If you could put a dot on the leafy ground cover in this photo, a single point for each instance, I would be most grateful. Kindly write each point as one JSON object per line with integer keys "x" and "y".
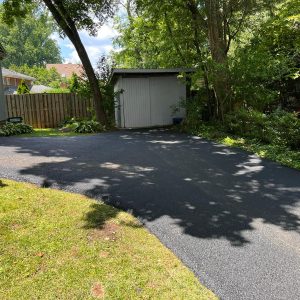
{"x": 58, "y": 245}
{"x": 279, "y": 153}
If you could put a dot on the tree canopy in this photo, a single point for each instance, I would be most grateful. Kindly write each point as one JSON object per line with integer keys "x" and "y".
{"x": 71, "y": 16}
{"x": 236, "y": 46}
{"x": 29, "y": 40}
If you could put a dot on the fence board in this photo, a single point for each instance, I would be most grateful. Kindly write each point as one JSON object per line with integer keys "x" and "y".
{"x": 47, "y": 110}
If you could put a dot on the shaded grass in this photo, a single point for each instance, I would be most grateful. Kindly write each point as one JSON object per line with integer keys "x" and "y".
{"x": 280, "y": 154}
{"x": 49, "y": 132}
{"x": 58, "y": 245}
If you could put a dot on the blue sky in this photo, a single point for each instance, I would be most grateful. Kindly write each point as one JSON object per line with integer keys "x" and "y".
{"x": 95, "y": 46}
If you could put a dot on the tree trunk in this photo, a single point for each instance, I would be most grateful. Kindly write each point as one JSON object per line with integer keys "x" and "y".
{"x": 62, "y": 18}
{"x": 93, "y": 80}
{"x": 198, "y": 22}
{"x": 218, "y": 49}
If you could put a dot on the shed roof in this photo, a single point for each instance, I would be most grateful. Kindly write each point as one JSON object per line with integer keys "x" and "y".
{"x": 118, "y": 72}
{"x": 151, "y": 71}
{"x": 14, "y": 74}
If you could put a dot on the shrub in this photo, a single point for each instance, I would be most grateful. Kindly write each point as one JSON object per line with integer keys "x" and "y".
{"x": 23, "y": 88}
{"x": 88, "y": 126}
{"x": 82, "y": 126}
{"x": 247, "y": 123}
{"x": 15, "y": 129}
{"x": 278, "y": 128}
{"x": 284, "y": 129}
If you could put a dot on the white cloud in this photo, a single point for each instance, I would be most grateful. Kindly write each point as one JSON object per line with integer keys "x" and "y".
{"x": 95, "y": 46}
{"x": 94, "y": 53}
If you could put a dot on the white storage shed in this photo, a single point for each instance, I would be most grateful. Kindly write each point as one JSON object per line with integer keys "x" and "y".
{"x": 147, "y": 97}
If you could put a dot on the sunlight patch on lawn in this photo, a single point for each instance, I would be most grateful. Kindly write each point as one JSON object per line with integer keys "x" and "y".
{"x": 58, "y": 245}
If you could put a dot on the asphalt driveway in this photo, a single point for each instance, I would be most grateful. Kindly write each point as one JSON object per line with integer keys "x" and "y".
{"x": 232, "y": 217}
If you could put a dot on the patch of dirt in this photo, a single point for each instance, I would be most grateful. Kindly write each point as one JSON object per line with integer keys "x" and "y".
{"x": 97, "y": 291}
{"x": 74, "y": 252}
{"x": 16, "y": 226}
{"x": 108, "y": 232}
{"x": 104, "y": 254}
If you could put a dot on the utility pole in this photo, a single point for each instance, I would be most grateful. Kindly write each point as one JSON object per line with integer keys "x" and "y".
{"x": 3, "y": 109}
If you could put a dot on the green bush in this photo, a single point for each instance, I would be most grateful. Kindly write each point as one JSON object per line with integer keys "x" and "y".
{"x": 15, "y": 129}
{"x": 278, "y": 128}
{"x": 82, "y": 126}
{"x": 23, "y": 88}
{"x": 284, "y": 129}
{"x": 88, "y": 126}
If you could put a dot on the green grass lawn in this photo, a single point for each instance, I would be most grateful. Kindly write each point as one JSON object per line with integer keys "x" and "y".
{"x": 49, "y": 132}
{"x": 58, "y": 245}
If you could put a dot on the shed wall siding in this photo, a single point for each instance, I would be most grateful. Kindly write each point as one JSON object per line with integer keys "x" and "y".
{"x": 136, "y": 102}
{"x": 165, "y": 93}
{"x": 148, "y": 101}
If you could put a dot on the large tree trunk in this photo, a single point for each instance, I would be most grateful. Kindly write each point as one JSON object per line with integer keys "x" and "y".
{"x": 62, "y": 18}
{"x": 93, "y": 80}
{"x": 218, "y": 48}
{"x": 197, "y": 23}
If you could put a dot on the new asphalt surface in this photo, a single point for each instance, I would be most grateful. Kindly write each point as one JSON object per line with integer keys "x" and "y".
{"x": 230, "y": 216}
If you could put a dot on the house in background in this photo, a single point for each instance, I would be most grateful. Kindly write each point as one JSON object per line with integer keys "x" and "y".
{"x": 66, "y": 70}
{"x": 12, "y": 79}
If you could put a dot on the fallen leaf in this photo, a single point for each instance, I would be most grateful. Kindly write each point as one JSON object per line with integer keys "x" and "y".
{"x": 40, "y": 254}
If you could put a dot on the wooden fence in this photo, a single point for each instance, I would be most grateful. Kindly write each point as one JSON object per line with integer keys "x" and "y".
{"x": 47, "y": 110}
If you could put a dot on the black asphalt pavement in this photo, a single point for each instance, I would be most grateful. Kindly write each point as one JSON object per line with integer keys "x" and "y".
{"x": 230, "y": 216}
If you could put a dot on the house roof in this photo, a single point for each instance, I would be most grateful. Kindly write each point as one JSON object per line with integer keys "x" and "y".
{"x": 14, "y": 74}
{"x": 66, "y": 70}
{"x": 40, "y": 88}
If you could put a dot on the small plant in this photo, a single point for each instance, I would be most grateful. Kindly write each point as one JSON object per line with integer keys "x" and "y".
{"x": 89, "y": 126}
{"x": 82, "y": 126}
{"x": 74, "y": 84}
{"x": 23, "y": 88}
{"x": 15, "y": 129}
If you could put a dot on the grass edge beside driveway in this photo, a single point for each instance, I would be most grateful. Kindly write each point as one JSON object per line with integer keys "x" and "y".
{"x": 51, "y": 132}
{"x": 56, "y": 244}
{"x": 280, "y": 154}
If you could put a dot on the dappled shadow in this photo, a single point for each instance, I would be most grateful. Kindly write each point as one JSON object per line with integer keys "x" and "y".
{"x": 99, "y": 215}
{"x": 208, "y": 190}
{"x": 2, "y": 184}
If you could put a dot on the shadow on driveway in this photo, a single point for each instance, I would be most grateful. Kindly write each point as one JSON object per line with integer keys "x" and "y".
{"x": 208, "y": 190}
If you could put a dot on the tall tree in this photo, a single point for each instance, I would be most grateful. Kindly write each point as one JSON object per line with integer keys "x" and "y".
{"x": 191, "y": 32}
{"x": 28, "y": 41}
{"x": 71, "y": 16}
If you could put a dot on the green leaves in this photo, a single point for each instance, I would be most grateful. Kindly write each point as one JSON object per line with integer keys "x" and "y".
{"x": 14, "y": 129}
{"x": 23, "y": 88}
{"x": 28, "y": 40}
{"x": 43, "y": 76}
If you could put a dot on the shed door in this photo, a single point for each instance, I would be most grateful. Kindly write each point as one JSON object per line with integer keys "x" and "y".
{"x": 136, "y": 102}
{"x": 165, "y": 93}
